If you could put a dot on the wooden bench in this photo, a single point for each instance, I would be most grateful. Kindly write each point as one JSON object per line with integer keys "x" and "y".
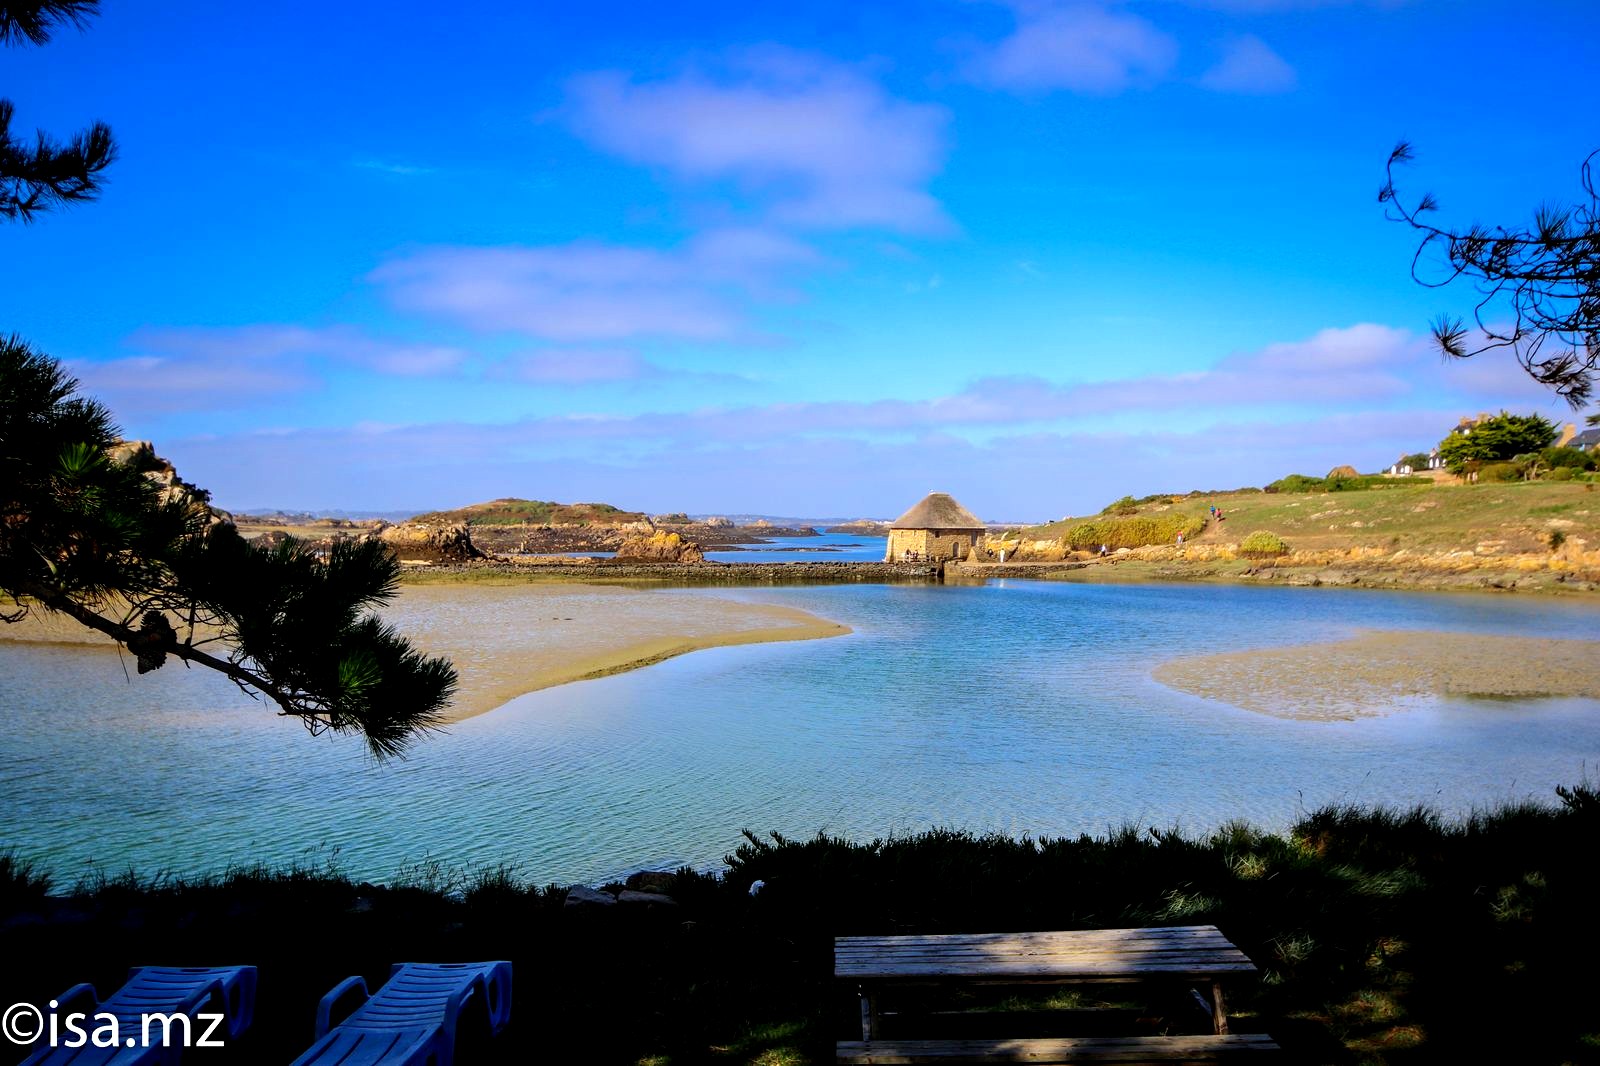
{"x": 1197, "y": 954}
{"x": 1120, "y": 1049}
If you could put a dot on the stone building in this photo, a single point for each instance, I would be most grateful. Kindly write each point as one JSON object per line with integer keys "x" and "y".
{"x": 935, "y": 530}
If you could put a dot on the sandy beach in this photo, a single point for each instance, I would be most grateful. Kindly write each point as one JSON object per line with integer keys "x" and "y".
{"x": 509, "y": 639}
{"x": 1371, "y": 674}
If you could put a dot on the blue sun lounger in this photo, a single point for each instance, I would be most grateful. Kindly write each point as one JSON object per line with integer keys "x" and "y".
{"x": 412, "y": 1019}
{"x": 150, "y": 990}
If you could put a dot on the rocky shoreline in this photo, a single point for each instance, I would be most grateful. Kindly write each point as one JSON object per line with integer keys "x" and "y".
{"x": 1570, "y": 570}
{"x": 733, "y": 574}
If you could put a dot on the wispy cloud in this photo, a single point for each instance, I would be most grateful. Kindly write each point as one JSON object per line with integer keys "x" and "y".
{"x": 1249, "y": 66}
{"x": 195, "y": 369}
{"x": 584, "y": 366}
{"x": 1360, "y": 394}
{"x": 815, "y": 142}
{"x": 1085, "y": 48}
{"x": 591, "y": 291}
{"x": 1263, "y": 7}
{"x": 1037, "y": 475}
{"x": 402, "y": 170}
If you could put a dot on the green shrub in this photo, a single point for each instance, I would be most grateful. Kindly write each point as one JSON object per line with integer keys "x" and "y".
{"x": 1567, "y": 457}
{"x": 1136, "y": 532}
{"x": 1298, "y": 483}
{"x": 1345, "y": 483}
{"x": 1557, "y": 539}
{"x": 1560, "y": 473}
{"x": 1499, "y": 472}
{"x": 1125, "y": 506}
{"x": 1263, "y": 545}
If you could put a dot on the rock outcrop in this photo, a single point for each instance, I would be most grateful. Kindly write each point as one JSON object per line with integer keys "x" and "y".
{"x": 420, "y": 542}
{"x": 141, "y": 455}
{"x": 660, "y": 547}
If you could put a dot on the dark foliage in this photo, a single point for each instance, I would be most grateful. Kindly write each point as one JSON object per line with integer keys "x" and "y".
{"x": 34, "y": 20}
{"x": 39, "y": 174}
{"x": 84, "y": 535}
{"x": 1538, "y": 286}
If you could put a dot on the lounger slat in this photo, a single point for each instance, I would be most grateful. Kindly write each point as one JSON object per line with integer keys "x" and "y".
{"x": 409, "y": 1017}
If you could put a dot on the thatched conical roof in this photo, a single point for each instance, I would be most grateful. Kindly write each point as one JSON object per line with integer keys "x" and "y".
{"x": 937, "y": 510}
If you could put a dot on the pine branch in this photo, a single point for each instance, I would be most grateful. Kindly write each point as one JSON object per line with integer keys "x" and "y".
{"x": 33, "y": 22}
{"x": 1544, "y": 279}
{"x": 47, "y": 175}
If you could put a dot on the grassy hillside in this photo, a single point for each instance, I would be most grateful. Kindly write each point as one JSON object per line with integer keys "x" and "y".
{"x": 1515, "y": 516}
{"x": 511, "y": 511}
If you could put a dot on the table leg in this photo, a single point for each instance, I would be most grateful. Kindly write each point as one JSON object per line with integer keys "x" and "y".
{"x": 869, "y": 1013}
{"x": 1219, "y": 1010}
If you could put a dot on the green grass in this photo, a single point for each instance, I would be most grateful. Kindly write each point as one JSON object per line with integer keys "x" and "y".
{"x": 1419, "y": 518}
{"x": 1162, "y": 527}
{"x": 1384, "y": 936}
{"x": 512, "y": 511}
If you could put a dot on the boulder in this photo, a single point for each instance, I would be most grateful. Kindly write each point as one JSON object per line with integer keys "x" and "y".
{"x": 660, "y": 547}
{"x": 650, "y": 900}
{"x": 426, "y": 543}
{"x": 580, "y": 896}
{"x": 651, "y": 881}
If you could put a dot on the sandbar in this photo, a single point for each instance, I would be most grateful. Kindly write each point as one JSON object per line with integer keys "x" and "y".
{"x": 509, "y": 639}
{"x": 1374, "y": 673}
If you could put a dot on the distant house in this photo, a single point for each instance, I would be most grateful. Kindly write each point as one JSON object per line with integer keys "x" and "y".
{"x": 1586, "y": 441}
{"x": 1404, "y": 466}
{"x": 936, "y": 529}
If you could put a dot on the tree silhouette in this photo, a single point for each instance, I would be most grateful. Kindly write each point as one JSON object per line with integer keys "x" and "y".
{"x": 43, "y": 174}
{"x": 148, "y": 562}
{"x": 1538, "y": 287}
{"x": 98, "y": 540}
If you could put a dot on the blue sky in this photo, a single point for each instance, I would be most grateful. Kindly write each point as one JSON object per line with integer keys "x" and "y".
{"x": 797, "y": 259}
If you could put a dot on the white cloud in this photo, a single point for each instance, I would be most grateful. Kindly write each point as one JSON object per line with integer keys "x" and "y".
{"x": 1081, "y": 48}
{"x": 586, "y": 366}
{"x": 1250, "y": 66}
{"x": 593, "y": 291}
{"x": 817, "y": 142}
{"x": 196, "y": 369}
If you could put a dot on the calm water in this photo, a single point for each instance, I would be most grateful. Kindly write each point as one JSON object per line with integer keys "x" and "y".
{"x": 1019, "y": 706}
{"x": 827, "y": 548}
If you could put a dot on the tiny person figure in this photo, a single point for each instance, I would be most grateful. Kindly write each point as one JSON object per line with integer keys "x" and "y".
{"x": 1180, "y": 538}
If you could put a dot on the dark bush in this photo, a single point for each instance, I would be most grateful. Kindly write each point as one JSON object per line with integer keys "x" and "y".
{"x": 1556, "y": 458}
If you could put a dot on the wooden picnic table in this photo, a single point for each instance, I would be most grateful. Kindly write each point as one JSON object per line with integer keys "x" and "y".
{"x": 1197, "y": 953}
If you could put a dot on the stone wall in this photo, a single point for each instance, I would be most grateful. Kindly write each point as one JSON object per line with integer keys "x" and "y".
{"x": 930, "y": 545}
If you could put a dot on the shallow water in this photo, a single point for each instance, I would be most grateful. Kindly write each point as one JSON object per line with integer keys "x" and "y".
{"x": 1023, "y": 707}
{"x": 826, "y": 548}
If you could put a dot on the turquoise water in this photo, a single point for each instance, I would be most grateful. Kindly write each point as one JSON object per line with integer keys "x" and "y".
{"x": 1023, "y": 707}
{"x": 827, "y": 548}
